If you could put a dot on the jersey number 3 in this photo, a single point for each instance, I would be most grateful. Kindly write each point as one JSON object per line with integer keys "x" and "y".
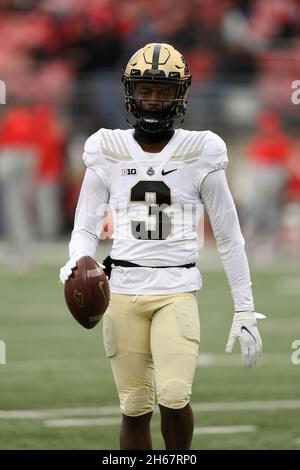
{"x": 157, "y": 196}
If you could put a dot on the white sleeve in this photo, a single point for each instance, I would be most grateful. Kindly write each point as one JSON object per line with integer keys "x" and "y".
{"x": 219, "y": 204}
{"x": 89, "y": 216}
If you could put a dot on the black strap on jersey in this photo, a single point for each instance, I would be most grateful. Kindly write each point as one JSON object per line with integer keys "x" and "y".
{"x": 127, "y": 264}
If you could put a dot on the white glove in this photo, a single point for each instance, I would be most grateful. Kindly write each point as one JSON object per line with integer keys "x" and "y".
{"x": 244, "y": 328}
{"x": 66, "y": 271}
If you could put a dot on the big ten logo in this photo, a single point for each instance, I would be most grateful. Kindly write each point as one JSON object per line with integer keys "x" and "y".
{"x": 295, "y": 357}
{"x": 2, "y": 92}
{"x": 295, "y": 98}
{"x": 2, "y": 352}
{"x": 128, "y": 171}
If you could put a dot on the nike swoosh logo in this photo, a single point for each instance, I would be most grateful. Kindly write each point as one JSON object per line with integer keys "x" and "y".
{"x": 164, "y": 173}
{"x": 244, "y": 328}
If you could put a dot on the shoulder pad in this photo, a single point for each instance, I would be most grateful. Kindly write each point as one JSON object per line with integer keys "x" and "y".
{"x": 92, "y": 151}
{"x": 205, "y": 148}
{"x": 215, "y": 151}
{"x": 106, "y": 147}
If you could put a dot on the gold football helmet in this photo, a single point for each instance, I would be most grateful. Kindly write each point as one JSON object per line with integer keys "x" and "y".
{"x": 159, "y": 63}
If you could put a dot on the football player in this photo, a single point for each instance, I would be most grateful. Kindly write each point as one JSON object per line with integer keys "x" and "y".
{"x": 148, "y": 174}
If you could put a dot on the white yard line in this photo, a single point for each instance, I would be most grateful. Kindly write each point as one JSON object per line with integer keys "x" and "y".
{"x": 235, "y": 360}
{"x": 83, "y": 422}
{"x": 66, "y": 423}
{"x": 109, "y": 411}
{"x": 224, "y": 429}
{"x": 205, "y": 359}
{"x": 56, "y": 365}
{"x": 270, "y": 405}
{"x": 59, "y": 412}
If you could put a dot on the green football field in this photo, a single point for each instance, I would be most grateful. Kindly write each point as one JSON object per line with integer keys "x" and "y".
{"x": 57, "y": 392}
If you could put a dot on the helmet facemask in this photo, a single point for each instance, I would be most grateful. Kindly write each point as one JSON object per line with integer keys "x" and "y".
{"x": 168, "y": 110}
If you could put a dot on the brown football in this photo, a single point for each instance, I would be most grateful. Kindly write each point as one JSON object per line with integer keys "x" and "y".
{"x": 87, "y": 292}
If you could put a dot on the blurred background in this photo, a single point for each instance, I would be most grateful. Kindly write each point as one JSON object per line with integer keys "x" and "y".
{"x": 61, "y": 61}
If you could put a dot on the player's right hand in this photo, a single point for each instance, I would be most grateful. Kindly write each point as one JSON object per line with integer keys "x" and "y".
{"x": 66, "y": 271}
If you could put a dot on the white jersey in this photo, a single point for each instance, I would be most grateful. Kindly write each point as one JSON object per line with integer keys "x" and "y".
{"x": 153, "y": 199}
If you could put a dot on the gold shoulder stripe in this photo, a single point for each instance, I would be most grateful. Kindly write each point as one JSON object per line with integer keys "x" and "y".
{"x": 113, "y": 147}
{"x": 190, "y": 148}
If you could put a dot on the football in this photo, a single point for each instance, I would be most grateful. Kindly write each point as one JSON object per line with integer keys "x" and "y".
{"x": 87, "y": 292}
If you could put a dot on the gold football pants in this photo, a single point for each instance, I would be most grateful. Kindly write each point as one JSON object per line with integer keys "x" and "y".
{"x": 152, "y": 342}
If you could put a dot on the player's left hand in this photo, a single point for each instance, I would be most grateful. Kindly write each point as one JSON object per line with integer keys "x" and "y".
{"x": 244, "y": 328}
